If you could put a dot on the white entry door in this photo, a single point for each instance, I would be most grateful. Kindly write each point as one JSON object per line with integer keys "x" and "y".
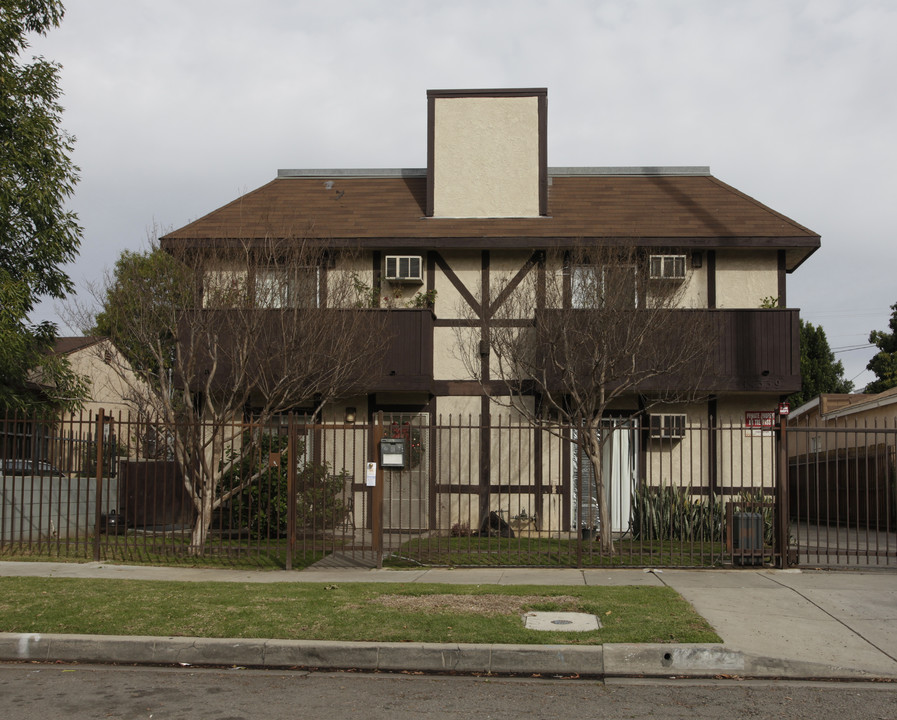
{"x": 620, "y": 460}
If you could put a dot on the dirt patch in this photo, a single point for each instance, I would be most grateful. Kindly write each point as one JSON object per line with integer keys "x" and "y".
{"x": 480, "y": 604}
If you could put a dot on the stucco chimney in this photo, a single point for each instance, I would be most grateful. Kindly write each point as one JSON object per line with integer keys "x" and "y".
{"x": 487, "y": 153}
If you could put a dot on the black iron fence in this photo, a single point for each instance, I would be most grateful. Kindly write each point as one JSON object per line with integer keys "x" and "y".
{"x": 291, "y": 493}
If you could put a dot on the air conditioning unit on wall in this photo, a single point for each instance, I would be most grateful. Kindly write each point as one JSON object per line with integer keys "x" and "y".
{"x": 404, "y": 268}
{"x": 667, "y": 267}
{"x": 667, "y": 426}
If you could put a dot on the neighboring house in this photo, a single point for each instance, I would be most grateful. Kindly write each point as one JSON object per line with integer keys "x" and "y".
{"x": 109, "y": 383}
{"x": 111, "y": 387}
{"x": 816, "y": 420}
{"x": 472, "y": 224}
{"x": 842, "y": 454}
{"x": 110, "y": 379}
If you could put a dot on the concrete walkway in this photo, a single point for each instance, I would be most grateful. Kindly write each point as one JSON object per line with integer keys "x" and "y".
{"x": 788, "y": 624}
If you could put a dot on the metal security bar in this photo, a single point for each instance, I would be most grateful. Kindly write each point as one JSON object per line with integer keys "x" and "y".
{"x": 491, "y": 491}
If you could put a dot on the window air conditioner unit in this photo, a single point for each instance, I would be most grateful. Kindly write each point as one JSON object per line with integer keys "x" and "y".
{"x": 667, "y": 426}
{"x": 404, "y": 268}
{"x": 667, "y": 267}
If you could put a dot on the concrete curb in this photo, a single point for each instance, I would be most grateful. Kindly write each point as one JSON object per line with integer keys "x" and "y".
{"x": 658, "y": 660}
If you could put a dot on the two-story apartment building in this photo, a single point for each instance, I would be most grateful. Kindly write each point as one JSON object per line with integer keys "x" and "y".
{"x": 472, "y": 227}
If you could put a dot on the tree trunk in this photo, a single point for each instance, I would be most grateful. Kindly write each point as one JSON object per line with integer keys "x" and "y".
{"x": 202, "y": 523}
{"x": 594, "y": 447}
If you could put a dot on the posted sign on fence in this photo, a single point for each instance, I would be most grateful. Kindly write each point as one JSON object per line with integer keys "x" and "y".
{"x": 759, "y": 423}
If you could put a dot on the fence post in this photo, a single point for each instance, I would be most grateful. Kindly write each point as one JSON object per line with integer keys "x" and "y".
{"x": 377, "y": 493}
{"x": 782, "y": 511}
{"x": 291, "y": 492}
{"x": 98, "y": 519}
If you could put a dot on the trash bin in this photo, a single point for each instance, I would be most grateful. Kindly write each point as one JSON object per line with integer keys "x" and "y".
{"x": 747, "y": 538}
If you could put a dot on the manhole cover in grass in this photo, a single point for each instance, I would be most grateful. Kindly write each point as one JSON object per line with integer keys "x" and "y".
{"x": 563, "y": 621}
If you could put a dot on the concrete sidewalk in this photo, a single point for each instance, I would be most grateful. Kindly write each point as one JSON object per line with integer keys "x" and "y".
{"x": 788, "y": 624}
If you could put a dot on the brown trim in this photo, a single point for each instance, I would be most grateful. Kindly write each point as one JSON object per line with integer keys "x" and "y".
{"x": 488, "y": 92}
{"x": 567, "y": 284}
{"x": 431, "y": 462}
{"x": 431, "y": 152}
{"x": 712, "y": 443}
{"x": 539, "y": 489}
{"x": 378, "y": 272}
{"x": 783, "y": 269}
{"x": 485, "y": 474}
{"x": 516, "y": 242}
{"x": 467, "y": 388}
{"x": 726, "y": 490}
{"x": 711, "y": 279}
{"x": 486, "y": 295}
{"x": 543, "y": 153}
{"x": 465, "y": 322}
{"x": 458, "y": 285}
{"x": 540, "y": 283}
{"x": 449, "y": 489}
{"x": 485, "y": 415}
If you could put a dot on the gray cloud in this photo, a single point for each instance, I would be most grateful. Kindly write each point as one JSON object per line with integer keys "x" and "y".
{"x": 181, "y": 106}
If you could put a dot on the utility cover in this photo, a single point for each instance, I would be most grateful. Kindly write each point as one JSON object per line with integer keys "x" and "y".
{"x": 561, "y": 621}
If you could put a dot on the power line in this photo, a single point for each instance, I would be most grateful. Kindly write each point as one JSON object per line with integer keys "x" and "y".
{"x": 851, "y": 348}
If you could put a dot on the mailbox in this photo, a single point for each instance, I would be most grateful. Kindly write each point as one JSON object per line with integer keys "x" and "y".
{"x": 392, "y": 453}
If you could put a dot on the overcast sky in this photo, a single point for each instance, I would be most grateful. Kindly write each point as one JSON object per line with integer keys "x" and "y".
{"x": 180, "y": 106}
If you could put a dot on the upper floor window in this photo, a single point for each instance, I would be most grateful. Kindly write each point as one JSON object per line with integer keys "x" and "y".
{"x": 288, "y": 287}
{"x": 268, "y": 287}
{"x": 604, "y": 286}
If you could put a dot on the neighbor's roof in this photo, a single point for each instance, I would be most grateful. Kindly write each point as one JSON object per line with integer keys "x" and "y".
{"x": 680, "y": 207}
{"x": 870, "y": 402}
{"x": 66, "y": 345}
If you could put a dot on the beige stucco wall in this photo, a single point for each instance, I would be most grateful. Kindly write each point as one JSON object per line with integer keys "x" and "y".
{"x": 486, "y": 157}
{"x": 112, "y": 382}
{"x": 745, "y": 278}
{"x": 467, "y": 266}
{"x": 681, "y": 463}
{"x": 746, "y": 457}
{"x": 694, "y": 289}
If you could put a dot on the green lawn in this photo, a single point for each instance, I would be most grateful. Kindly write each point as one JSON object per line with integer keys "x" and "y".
{"x": 554, "y": 552}
{"x": 432, "y": 551}
{"x": 397, "y": 612}
{"x": 265, "y": 555}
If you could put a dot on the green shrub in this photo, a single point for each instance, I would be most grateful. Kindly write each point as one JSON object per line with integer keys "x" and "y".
{"x": 671, "y": 513}
{"x": 263, "y": 507}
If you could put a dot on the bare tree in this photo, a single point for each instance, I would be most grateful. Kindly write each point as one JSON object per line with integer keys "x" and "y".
{"x": 211, "y": 335}
{"x": 591, "y": 326}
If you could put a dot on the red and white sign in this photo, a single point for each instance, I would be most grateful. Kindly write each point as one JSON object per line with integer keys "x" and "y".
{"x": 759, "y": 423}
{"x": 784, "y": 408}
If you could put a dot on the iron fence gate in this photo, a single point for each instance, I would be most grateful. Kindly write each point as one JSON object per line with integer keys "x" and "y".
{"x": 291, "y": 493}
{"x": 843, "y": 495}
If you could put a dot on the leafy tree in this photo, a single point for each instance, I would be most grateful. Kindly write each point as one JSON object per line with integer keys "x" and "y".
{"x": 884, "y": 363}
{"x": 819, "y": 371}
{"x": 139, "y": 276}
{"x": 215, "y": 334}
{"x": 38, "y": 235}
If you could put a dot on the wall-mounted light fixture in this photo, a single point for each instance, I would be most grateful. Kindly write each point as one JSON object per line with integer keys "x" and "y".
{"x": 350, "y": 414}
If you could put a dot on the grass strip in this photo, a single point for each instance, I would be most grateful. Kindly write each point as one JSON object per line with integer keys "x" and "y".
{"x": 553, "y": 552}
{"x": 377, "y": 612}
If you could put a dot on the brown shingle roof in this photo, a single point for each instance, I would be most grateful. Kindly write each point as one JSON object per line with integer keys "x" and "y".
{"x": 662, "y": 209}
{"x": 66, "y": 345}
